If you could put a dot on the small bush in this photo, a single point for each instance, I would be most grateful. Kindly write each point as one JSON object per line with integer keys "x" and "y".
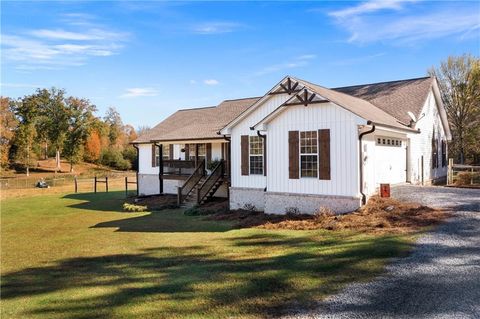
{"x": 249, "y": 207}
{"x": 134, "y": 208}
{"x": 292, "y": 211}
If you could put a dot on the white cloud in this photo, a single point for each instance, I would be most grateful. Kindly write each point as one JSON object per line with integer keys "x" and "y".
{"x": 299, "y": 61}
{"x": 368, "y": 7}
{"x": 138, "y": 92}
{"x": 216, "y": 27}
{"x": 408, "y": 26}
{"x": 211, "y": 82}
{"x": 58, "y": 48}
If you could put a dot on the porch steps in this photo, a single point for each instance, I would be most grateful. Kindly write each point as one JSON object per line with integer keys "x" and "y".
{"x": 191, "y": 199}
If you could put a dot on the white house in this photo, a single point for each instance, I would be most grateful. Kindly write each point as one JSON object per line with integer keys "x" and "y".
{"x": 300, "y": 146}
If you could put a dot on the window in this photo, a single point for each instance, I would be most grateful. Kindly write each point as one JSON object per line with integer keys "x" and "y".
{"x": 308, "y": 154}
{"x": 202, "y": 151}
{"x": 256, "y": 155}
{"x": 388, "y": 142}
{"x": 157, "y": 156}
{"x": 166, "y": 151}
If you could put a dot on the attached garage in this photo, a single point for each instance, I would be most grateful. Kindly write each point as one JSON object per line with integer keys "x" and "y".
{"x": 390, "y": 160}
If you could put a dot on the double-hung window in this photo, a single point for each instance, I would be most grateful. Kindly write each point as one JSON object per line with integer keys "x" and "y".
{"x": 256, "y": 155}
{"x": 308, "y": 154}
{"x": 202, "y": 151}
{"x": 166, "y": 151}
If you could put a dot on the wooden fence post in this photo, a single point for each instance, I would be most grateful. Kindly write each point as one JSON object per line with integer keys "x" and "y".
{"x": 106, "y": 183}
{"x": 76, "y": 186}
{"x": 95, "y": 185}
{"x": 450, "y": 172}
{"x": 126, "y": 186}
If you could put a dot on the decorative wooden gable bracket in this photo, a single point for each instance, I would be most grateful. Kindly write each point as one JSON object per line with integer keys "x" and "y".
{"x": 289, "y": 87}
{"x": 305, "y": 97}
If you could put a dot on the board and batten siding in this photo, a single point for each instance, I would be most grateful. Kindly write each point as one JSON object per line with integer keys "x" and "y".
{"x": 343, "y": 126}
{"x": 145, "y": 160}
{"x": 421, "y": 144}
{"x": 243, "y": 128}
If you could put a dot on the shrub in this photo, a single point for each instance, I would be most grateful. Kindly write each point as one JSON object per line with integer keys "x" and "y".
{"x": 134, "y": 208}
{"x": 212, "y": 165}
{"x": 292, "y": 211}
{"x": 249, "y": 207}
{"x": 113, "y": 158}
{"x": 129, "y": 153}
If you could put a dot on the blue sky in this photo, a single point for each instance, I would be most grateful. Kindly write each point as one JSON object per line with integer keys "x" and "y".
{"x": 149, "y": 59}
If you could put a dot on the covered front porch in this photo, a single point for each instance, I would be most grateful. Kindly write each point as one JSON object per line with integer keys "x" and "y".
{"x": 178, "y": 160}
{"x": 194, "y": 170}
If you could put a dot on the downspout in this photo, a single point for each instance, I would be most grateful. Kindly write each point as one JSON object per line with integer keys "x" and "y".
{"x": 360, "y": 152}
{"x": 263, "y": 136}
{"x": 138, "y": 163}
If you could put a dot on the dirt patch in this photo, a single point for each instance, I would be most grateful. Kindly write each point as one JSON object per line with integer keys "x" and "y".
{"x": 380, "y": 215}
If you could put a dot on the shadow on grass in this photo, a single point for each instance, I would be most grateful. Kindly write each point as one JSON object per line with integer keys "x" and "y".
{"x": 198, "y": 281}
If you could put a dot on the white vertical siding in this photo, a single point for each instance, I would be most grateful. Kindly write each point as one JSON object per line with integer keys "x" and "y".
{"x": 243, "y": 128}
{"x": 421, "y": 144}
{"x": 145, "y": 160}
{"x": 343, "y": 150}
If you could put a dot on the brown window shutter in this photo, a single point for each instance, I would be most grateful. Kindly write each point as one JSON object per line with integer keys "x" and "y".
{"x": 154, "y": 162}
{"x": 265, "y": 156}
{"x": 244, "y": 151}
{"x": 187, "y": 152}
{"x": 208, "y": 148}
{"x": 293, "y": 156}
{"x": 324, "y": 154}
{"x": 170, "y": 149}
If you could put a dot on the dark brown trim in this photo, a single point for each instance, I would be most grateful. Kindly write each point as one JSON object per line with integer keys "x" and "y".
{"x": 187, "y": 151}
{"x": 244, "y": 145}
{"x": 293, "y": 154}
{"x": 300, "y": 103}
{"x": 324, "y": 154}
{"x": 154, "y": 160}
{"x": 187, "y": 139}
{"x": 264, "y": 137}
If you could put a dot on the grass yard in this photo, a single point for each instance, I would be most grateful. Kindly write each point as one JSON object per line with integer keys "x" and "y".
{"x": 79, "y": 256}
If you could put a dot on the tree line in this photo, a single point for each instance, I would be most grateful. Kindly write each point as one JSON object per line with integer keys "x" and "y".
{"x": 48, "y": 123}
{"x": 459, "y": 81}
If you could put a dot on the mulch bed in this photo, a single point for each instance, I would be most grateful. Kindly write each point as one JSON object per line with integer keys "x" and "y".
{"x": 380, "y": 215}
{"x": 156, "y": 202}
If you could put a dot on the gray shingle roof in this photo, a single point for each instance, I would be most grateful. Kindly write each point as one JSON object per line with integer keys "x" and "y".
{"x": 199, "y": 123}
{"x": 394, "y": 97}
{"x": 386, "y": 103}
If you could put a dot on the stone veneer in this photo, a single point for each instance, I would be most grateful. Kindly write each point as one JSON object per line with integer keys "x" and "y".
{"x": 278, "y": 203}
{"x": 239, "y": 197}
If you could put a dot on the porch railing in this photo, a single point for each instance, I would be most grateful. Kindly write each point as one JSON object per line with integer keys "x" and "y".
{"x": 190, "y": 183}
{"x": 211, "y": 184}
{"x": 178, "y": 167}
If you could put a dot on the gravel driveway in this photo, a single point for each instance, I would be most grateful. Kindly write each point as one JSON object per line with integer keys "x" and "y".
{"x": 440, "y": 279}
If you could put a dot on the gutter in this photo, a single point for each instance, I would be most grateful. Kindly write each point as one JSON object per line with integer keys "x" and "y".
{"x": 360, "y": 152}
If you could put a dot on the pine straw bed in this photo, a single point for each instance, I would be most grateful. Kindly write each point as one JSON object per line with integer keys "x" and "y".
{"x": 380, "y": 215}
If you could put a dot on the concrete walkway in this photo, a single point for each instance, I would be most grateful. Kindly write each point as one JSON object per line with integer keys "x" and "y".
{"x": 440, "y": 279}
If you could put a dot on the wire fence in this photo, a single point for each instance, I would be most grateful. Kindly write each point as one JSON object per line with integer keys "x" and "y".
{"x": 75, "y": 184}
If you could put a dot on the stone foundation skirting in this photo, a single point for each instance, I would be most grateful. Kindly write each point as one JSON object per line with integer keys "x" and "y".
{"x": 148, "y": 184}
{"x": 248, "y": 198}
{"x": 280, "y": 203}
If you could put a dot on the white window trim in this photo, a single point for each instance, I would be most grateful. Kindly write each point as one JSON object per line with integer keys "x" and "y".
{"x": 256, "y": 155}
{"x": 307, "y": 154}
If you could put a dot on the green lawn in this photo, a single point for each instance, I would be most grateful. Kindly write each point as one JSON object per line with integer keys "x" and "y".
{"x": 79, "y": 256}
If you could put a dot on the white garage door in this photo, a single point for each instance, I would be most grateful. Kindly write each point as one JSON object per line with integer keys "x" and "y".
{"x": 390, "y": 160}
